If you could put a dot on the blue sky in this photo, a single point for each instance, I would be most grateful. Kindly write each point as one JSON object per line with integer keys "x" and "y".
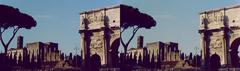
{"x": 58, "y": 20}
{"x": 177, "y": 20}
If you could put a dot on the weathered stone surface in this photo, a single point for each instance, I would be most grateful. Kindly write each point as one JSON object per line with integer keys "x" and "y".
{"x": 96, "y": 22}
{"x": 212, "y": 24}
{"x": 167, "y": 52}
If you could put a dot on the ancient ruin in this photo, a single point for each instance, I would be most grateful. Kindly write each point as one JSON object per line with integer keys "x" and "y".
{"x": 219, "y": 30}
{"x": 100, "y": 30}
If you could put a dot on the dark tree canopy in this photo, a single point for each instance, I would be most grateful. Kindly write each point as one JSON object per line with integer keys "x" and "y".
{"x": 12, "y": 18}
{"x": 131, "y": 17}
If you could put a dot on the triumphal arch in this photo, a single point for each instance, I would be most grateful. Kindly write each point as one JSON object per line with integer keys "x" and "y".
{"x": 100, "y": 32}
{"x": 220, "y": 35}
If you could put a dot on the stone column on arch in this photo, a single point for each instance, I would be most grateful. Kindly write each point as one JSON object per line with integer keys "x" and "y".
{"x": 206, "y": 44}
{"x": 226, "y": 51}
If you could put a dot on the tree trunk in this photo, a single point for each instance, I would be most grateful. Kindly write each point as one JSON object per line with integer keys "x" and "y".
{"x": 5, "y": 48}
{"x": 5, "y": 45}
{"x": 125, "y": 51}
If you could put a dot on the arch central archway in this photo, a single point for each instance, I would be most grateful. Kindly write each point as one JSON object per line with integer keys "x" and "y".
{"x": 114, "y": 51}
{"x": 215, "y": 62}
{"x": 95, "y": 62}
{"x": 234, "y": 52}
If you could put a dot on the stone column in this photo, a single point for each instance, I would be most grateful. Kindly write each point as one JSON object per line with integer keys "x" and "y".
{"x": 87, "y": 46}
{"x": 226, "y": 31}
{"x": 107, "y": 37}
{"x": 82, "y": 46}
{"x": 205, "y": 33}
{"x": 206, "y": 43}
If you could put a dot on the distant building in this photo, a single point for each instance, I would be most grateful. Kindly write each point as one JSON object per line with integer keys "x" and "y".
{"x": 156, "y": 49}
{"x": 45, "y": 52}
{"x": 172, "y": 52}
{"x": 48, "y": 52}
{"x": 137, "y": 52}
{"x": 167, "y": 52}
{"x": 17, "y": 53}
{"x": 140, "y": 42}
{"x": 20, "y": 42}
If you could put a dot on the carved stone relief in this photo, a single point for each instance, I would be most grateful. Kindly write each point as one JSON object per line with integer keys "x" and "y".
{"x": 97, "y": 43}
{"x": 95, "y": 17}
{"x": 216, "y": 43}
{"x": 215, "y": 17}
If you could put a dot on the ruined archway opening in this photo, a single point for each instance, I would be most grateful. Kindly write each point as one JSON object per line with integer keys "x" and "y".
{"x": 114, "y": 52}
{"x": 215, "y": 62}
{"x": 234, "y": 53}
{"x": 95, "y": 62}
